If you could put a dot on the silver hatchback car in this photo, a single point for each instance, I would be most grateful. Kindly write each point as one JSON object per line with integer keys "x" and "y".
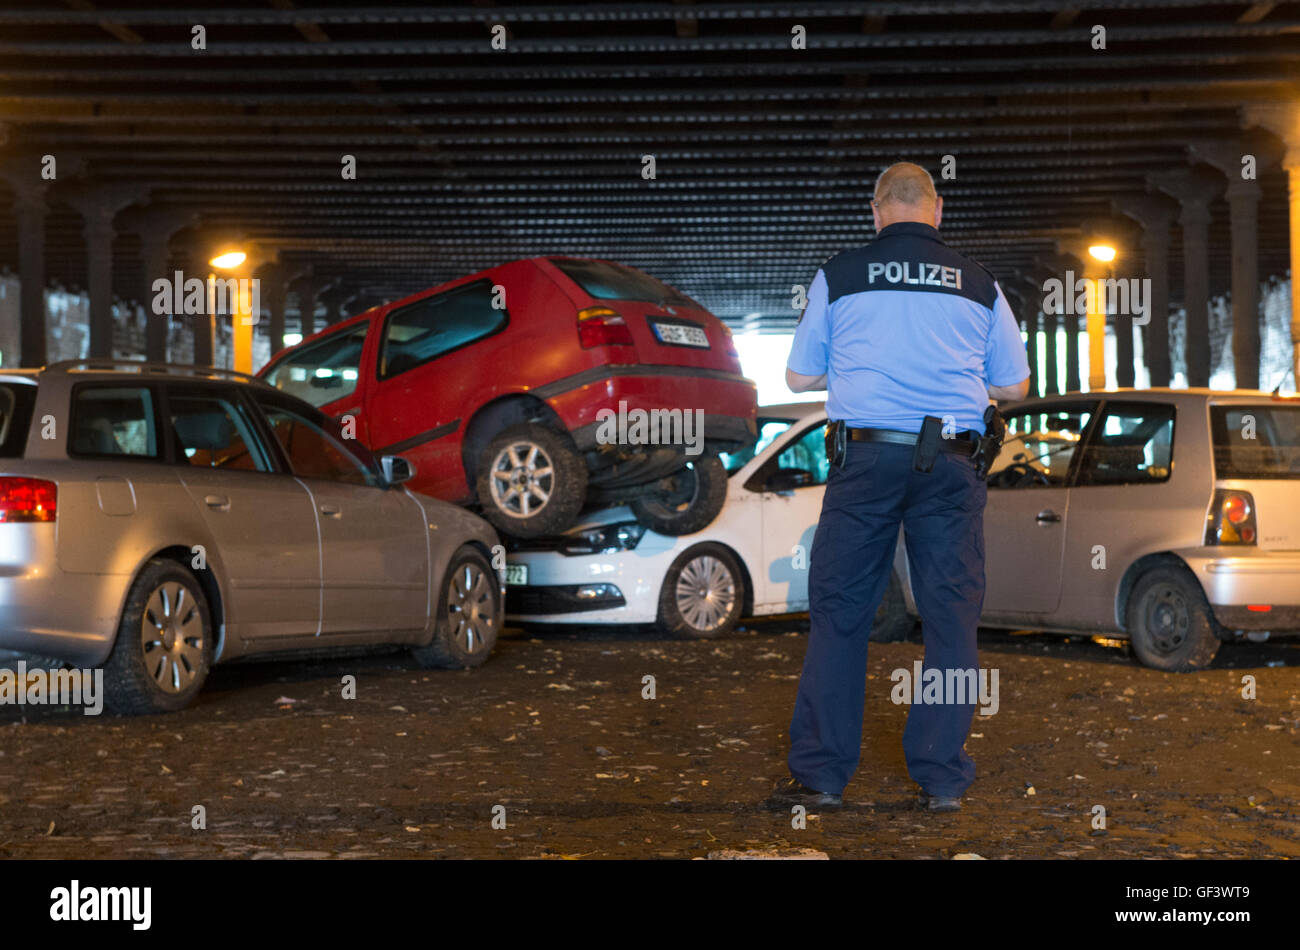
{"x": 1167, "y": 516}
{"x": 157, "y": 519}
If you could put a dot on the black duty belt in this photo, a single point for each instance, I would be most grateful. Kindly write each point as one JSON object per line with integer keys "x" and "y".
{"x": 963, "y": 443}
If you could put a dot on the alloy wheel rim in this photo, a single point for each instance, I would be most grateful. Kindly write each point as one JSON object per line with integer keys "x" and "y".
{"x": 523, "y": 479}
{"x": 706, "y": 592}
{"x": 172, "y": 637}
{"x": 471, "y": 609}
{"x": 1168, "y": 618}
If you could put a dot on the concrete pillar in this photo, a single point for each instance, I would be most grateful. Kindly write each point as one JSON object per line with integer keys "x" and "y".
{"x": 30, "y": 211}
{"x": 156, "y": 226}
{"x": 98, "y": 207}
{"x": 1051, "y": 324}
{"x": 1154, "y": 213}
{"x": 1194, "y": 188}
{"x": 276, "y": 280}
{"x": 1283, "y": 121}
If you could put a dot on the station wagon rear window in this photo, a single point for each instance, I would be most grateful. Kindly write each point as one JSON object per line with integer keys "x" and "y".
{"x": 611, "y": 282}
{"x": 114, "y": 421}
{"x": 16, "y": 401}
{"x": 1256, "y": 441}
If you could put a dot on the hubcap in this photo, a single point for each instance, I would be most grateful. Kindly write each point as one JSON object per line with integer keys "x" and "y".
{"x": 522, "y": 479}
{"x": 706, "y": 592}
{"x": 471, "y": 608}
{"x": 171, "y": 636}
{"x": 1168, "y": 618}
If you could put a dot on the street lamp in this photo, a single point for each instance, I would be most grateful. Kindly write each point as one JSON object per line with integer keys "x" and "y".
{"x": 1104, "y": 253}
{"x": 241, "y": 335}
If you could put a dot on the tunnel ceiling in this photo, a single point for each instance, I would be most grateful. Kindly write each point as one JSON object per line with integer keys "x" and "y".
{"x": 764, "y": 155}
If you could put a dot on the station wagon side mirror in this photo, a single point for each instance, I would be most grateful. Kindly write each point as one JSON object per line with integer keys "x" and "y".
{"x": 397, "y": 469}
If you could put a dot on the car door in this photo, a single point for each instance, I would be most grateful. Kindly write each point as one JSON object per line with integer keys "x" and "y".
{"x": 374, "y": 540}
{"x": 1028, "y": 507}
{"x": 425, "y": 387}
{"x": 791, "y": 484}
{"x": 1122, "y": 507}
{"x": 263, "y": 521}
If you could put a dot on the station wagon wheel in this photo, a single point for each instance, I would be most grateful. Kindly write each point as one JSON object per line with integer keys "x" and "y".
{"x": 1170, "y": 622}
{"x": 164, "y": 644}
{"x": 470, "y": 614}
{"x": 531, "y": 481}
{"x": 703, "y": 593}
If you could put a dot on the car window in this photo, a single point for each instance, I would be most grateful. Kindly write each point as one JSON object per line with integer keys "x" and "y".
{"x": 605, "y": 281}
{"x": 314, "y": 453}
{"x": 807, "y": 453}
{"x": 1256, "y": 441}
{"x": 114, "y": 421}
{"x": 768, "y": 431}
{"x": 429, "y": 328}
{"x": 16, "y": 401}
{"x": 214, "y": 432}
{"x": 1039, "y": 446}
{"x": 322, "y": 371}
{"x": 1134, "y": 444}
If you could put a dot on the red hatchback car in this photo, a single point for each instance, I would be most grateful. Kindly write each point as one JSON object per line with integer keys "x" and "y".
{"x": 539, "y": 387}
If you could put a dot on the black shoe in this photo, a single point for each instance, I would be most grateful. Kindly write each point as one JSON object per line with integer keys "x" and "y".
{"x": 791, "y": 791}
{"x": 937, "y": 803}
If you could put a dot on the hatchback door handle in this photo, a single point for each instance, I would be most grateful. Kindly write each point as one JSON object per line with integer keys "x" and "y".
{"x": 1048, "y": 516}
{"x": 332, "y": 510}
{"x": 219, "y": 502}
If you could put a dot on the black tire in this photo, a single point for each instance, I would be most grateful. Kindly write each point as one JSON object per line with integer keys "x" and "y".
{"x": 463, "y": 638}
{"x": 1170, "y": 622}
{"x": 166, "y": 676}
{"x": 891, "y": 623}
{"x": 562, "y": 491}
{"x": 716, "y": 569}
{"x": 686, "y": 501}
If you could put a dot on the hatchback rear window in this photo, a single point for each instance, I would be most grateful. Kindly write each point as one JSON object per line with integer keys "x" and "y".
{"x": 16, "y": 401}
{"x": 612, "y": 282}
{"x": 1260, "y": 441}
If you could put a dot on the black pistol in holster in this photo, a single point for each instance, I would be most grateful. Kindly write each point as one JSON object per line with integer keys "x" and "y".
{"x": 837, "y": 442}
{"x": 990, "y": 444}
{"x": 927, "y": 444}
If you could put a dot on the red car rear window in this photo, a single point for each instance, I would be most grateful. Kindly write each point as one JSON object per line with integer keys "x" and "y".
{"x": 611, "y": 282}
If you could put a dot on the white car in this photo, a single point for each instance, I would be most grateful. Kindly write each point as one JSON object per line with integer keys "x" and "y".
{"x": 752, "y": 560}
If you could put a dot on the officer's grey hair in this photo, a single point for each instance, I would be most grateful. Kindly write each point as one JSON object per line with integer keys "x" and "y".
{"x": 906, "y": 183}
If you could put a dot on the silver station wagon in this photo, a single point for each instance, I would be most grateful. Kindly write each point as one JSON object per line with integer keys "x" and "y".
{"x": 1167, "y": 516}
{"x": 157, "y": 519}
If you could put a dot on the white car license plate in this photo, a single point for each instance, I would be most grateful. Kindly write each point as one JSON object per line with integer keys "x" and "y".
{"x": 517, "y": 574}
{"x": 681, "y": 334}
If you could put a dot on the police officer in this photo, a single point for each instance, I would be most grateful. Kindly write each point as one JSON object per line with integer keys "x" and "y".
{"x": 910, "y": 340}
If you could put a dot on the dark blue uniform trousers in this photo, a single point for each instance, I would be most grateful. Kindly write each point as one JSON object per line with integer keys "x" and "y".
{"x": 942, "y": 513}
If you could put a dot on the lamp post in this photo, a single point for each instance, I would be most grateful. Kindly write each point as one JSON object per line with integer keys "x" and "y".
{"x": 241, "y": 316}
{"x": 1105, "y": 254}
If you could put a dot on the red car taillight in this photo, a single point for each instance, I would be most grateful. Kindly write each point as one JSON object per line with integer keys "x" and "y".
{"x": 601, "y": 326}
{"x": 27, "y": 499}
{"x": 1232, "y": 519}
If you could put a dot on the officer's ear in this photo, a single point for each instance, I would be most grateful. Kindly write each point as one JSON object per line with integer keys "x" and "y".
{"x": 938, "y": 211}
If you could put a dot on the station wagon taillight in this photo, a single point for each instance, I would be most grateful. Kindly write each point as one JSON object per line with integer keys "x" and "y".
{"x": 601, "y": 326}
{"x": 27, "y": 499}
{"x": 1232, "y": 519}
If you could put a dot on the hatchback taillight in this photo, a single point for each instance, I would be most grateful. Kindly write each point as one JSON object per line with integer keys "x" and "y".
{"x": 601, "y": 326}
{"x": 1232, "y": 519}
{"x": 27, "y": 499}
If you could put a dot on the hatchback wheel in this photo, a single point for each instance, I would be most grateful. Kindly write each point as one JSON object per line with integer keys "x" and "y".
{"x": 686, "y": 501}
{"x": 469, "y": 614}
{"x": 531, "y": 481}
{"x": 164, "y": 643}
{"x": 1170, "y": 622}
{"x": 703, "y": 594}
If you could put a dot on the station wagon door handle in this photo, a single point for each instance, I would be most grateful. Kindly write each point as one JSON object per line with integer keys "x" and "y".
{"x": 332, "y": 511}
{"x": 219, "y": 502}
{"x": 1048, "y": 516}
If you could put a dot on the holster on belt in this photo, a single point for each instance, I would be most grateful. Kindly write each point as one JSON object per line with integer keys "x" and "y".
{"x": 837, "y": 442}
{"x": 927, "y": 444}
{"x": 988, "y": 448}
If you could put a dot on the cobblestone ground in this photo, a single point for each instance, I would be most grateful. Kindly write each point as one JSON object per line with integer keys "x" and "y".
{"x": 556, "y": 730}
